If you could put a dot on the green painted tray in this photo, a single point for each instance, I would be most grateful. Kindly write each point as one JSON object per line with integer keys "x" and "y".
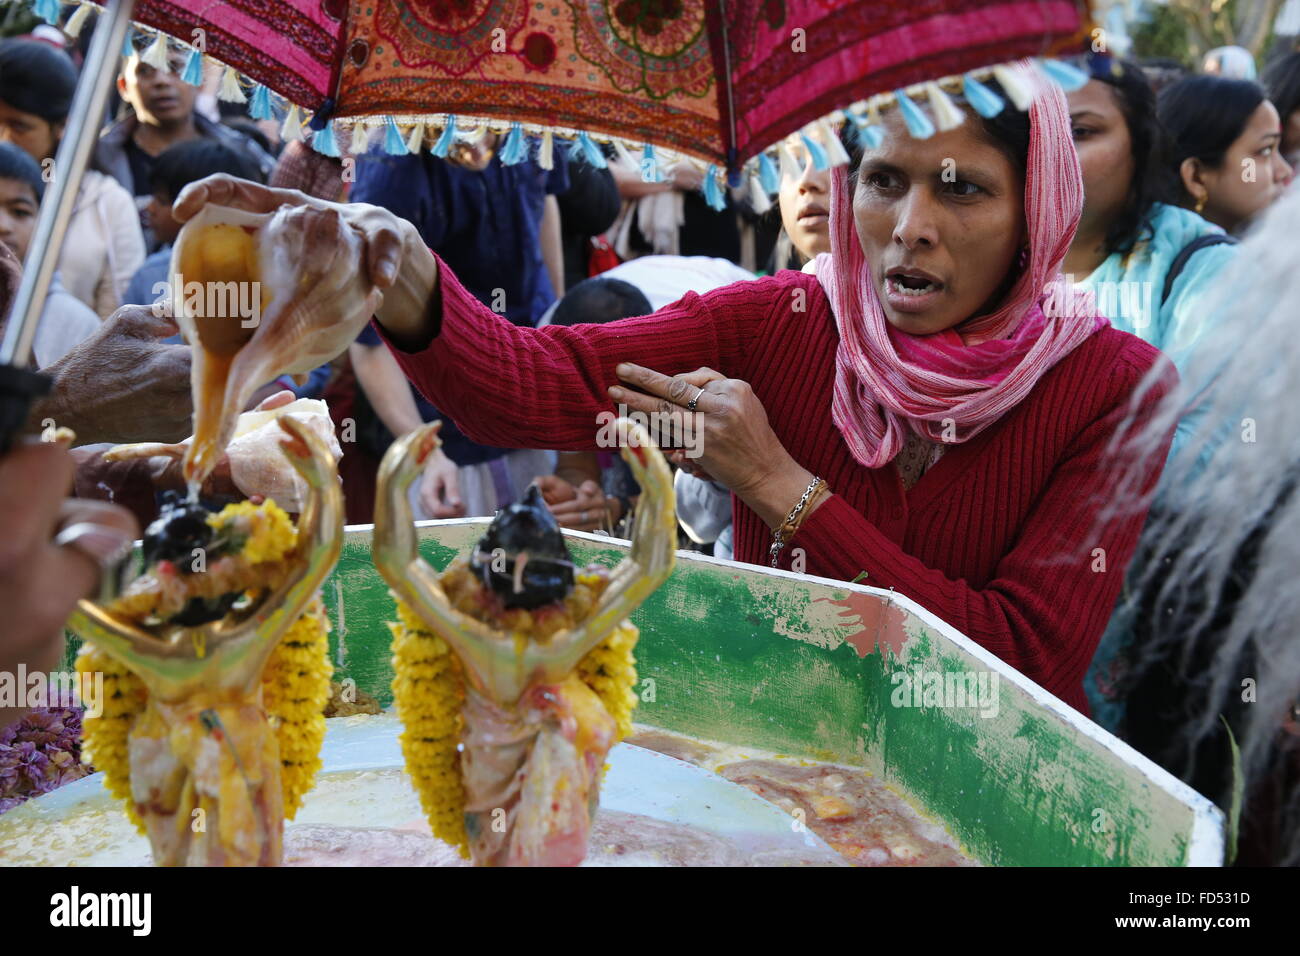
{"x": 851, "y": 674}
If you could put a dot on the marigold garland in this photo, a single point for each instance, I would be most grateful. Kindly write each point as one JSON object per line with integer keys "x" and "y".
{"x": 270, "y": 532}
{"x": 295, "y": 689}
{"x": 104, "y": 738}
{"x": 429, "y": 694}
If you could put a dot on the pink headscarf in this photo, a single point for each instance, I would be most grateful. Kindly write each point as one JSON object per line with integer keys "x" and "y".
{"x": 888, "y": 382}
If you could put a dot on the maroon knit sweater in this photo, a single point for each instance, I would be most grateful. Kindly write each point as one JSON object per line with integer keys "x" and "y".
{"x": 997, "y": 538}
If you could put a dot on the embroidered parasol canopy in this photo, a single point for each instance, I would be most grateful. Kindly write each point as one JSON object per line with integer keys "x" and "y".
{"x": 719, "y": 80}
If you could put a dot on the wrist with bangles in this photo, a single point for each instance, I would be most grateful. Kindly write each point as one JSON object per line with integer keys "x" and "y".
{"x": 781, "y": 535}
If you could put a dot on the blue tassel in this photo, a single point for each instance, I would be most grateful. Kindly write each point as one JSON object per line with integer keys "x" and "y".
{"x": 47, "y": 10}
{"x": 918, "y": 124}
{"x": 128, "y": 48}
{"x": 259, "y": 107}
{"x": 443, "y": 146}
{"x": 816, "y": 151}
{"x": 768, "y": 177}
{"x": 590, "y": 151}
{"x": 650, "y": 172}
{"x": 870, "y": 135}
{"x": 323, "y": 141}
{"x": 394, "y": 145}
{"x": 193, "y": 72}
{"x": 1065, "y": 75}
{"x": 514, "y": 151}
{"x": 984, "y": 101}
{"x": 712, "y": 194}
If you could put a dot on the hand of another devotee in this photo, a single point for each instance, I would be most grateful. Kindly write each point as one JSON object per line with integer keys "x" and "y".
{"x": 122, "y": 384}
{"x": 41, "y": 580}
{"x": 440, "y": 487}
{"x": 588, "y": 509}
{"x": 555, "y": 489}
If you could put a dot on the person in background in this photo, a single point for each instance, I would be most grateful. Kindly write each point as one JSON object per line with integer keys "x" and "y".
{"x": 1151, "y": 264}
{"x": 52, "y": 549}
{"x": 174, "y": 169}
{"x": 587, "y": 208}
{"x": 163, "y": 115}
{"x": 301, "y": 167}
{"x": 595, "y": 490}
{"x": 1214, "y": 690}
{"x": 1282, "y": 81}
{"x": 500, "y": 224}
{"x": 592, "y": 493}
{"x": 103, "y": 245}
{"x": 1224, "y": 155}
{"x": 1153, "y": 267}
{"x": 671, "y": 217}
{"x": 65, "y": 320}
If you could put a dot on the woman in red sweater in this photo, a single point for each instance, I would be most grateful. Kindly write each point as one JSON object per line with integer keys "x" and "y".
{"x": 958, "y": 415}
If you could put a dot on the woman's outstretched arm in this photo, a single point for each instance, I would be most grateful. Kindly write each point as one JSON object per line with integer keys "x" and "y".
{"x": 519, "y": 387}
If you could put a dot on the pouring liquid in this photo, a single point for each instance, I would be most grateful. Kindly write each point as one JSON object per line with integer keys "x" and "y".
{"x": 217, "y": 265}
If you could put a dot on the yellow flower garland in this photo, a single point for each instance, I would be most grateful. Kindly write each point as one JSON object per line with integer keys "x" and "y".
{"x": 104, "y": 738}
{"x": 271, "y": 532}
{"x": 429, "y": 694}
{"x": 295, "y": 689}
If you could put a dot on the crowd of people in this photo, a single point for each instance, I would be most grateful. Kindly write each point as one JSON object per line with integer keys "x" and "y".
{"x": 1017, "y": 396}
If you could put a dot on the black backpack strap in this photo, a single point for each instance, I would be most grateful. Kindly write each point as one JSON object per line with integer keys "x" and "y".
{"x": 1180, "y": 260}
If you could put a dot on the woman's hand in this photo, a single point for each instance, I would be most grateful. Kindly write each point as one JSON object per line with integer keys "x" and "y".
{"x": 397, "y": 260}
{"x": 726, "y": 435}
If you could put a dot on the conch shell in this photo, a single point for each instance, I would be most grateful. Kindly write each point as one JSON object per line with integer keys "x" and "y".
{"x": 248, "y": 289}
{"x": 257, "y": 465}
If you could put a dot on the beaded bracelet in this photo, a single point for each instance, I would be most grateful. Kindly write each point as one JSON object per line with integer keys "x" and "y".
{"x": 782, "y": 535}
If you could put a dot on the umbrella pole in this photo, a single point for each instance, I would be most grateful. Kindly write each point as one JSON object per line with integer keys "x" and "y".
{"x": 19, "y": 386}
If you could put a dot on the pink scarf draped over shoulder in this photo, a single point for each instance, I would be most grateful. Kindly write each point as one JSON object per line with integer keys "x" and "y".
{"x": 952, "y": 385}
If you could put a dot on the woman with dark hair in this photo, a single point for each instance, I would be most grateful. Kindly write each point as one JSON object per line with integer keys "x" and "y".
{"x": 909, "y": 412}
{"x": 1282, "y": 82}
{"x": 1224, "y": 155}
{"x": 103, "y": 246}
{"x": 1150, "y": 264}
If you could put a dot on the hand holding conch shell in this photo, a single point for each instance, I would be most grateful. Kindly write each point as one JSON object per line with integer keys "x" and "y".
{"x": 396, "y": 259}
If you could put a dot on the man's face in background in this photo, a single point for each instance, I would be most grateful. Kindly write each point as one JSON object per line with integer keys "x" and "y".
{"x": 159, "y": 97}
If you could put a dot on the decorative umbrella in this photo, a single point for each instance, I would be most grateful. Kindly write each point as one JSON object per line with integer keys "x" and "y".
{"x": 718, "y": 80}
